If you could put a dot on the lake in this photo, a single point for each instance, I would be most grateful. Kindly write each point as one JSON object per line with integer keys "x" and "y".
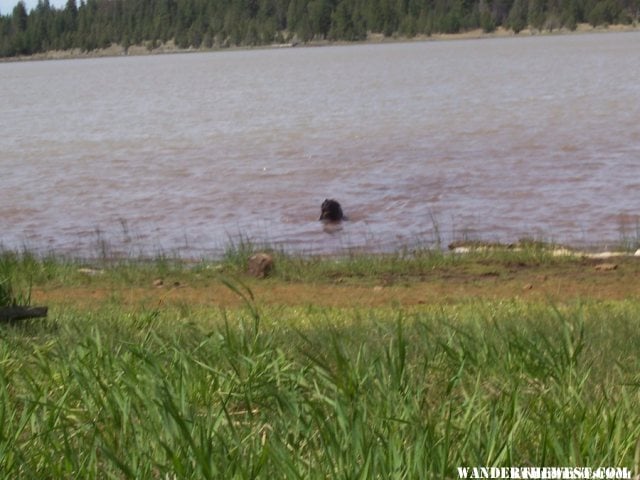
{"x": 422, "y": 143}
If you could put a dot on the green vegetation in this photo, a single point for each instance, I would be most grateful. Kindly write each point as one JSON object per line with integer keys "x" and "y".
{"x": 320, "y": 394}
{"x": 98, "y": 24}
{"x": 178, "y": 389}
{"x": 14, "y": 290}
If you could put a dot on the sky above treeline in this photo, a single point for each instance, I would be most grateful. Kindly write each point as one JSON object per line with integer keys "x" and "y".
{"x": 6, "y": 6}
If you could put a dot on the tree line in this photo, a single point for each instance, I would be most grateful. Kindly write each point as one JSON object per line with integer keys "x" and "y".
{"x": 95, "y": 24}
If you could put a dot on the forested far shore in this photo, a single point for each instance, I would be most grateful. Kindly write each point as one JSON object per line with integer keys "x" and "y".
{"x": 98, "y": 24}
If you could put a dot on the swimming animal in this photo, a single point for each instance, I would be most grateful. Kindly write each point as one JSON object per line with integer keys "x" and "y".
{"x": 331, "y": 211}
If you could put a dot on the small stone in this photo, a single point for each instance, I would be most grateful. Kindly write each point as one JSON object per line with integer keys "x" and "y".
{"x": 158, "y": 282}
{"x": 605, "y": 267}
{"x": 562, "y": 252}
{"x": 604, "y": 255}
{"x": 260, "y": 265}
{"x": 90, "y": 271}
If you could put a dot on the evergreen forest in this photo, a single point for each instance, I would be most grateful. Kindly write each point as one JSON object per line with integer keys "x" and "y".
{"x": 95, "y": 24}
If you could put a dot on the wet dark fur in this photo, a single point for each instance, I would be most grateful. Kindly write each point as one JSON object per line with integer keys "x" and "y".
{"x": 331, "y": 211}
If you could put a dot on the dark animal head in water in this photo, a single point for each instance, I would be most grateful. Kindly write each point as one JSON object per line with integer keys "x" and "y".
{"x": 331, "y": 211}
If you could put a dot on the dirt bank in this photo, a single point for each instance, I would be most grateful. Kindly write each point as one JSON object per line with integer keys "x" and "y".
{"x": 564, "y": 281}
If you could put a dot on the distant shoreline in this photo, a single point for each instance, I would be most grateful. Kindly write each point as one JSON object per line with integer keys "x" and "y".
{"x": 116, "y": 50}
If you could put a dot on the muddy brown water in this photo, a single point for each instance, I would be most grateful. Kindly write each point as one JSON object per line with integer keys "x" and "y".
{"x": 427, "y": 142}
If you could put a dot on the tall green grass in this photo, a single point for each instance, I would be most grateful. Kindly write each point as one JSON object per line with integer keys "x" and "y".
{"x": 15, "y": 279}
{"x": 319, "y": 392}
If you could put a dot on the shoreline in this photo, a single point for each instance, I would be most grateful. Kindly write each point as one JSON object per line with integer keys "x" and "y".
{"x": 411, "y": 279}
{"x": 116, "y": 50}
{"x": 460, "y": 248}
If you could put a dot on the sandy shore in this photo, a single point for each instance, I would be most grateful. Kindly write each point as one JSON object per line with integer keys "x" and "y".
{"x": 116, "y": 50}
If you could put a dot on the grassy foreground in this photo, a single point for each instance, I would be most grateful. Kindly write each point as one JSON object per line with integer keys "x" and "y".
{"x": 133, "y": 377}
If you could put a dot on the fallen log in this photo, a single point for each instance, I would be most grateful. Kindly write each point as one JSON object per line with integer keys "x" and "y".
{"x": 10, "y": 314}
